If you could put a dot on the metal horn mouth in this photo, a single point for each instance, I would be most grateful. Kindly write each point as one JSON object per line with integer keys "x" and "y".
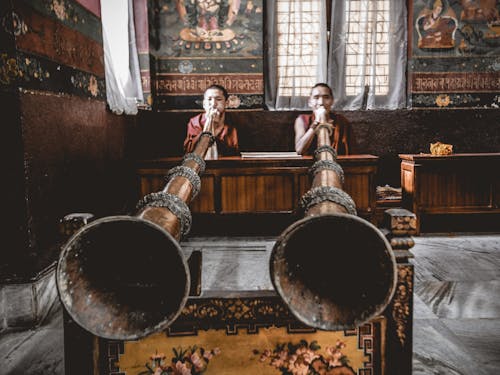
{"x": 123, "y": 278}
{"x": 334, "y": 271}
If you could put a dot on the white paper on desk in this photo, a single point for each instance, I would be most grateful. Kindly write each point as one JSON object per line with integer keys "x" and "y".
{"x": 271, "y": 154}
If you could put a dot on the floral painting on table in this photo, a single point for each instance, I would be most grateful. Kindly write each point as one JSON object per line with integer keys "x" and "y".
{"x": 268, "y": 351}
{"x": 305, "y": 358}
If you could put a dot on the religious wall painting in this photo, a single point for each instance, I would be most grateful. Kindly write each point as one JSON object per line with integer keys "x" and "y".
{"x": 456, "y": 28}
{"x": 436, "y": 26}
{"x": 455, "y": 55}
{"x": 197, "y": 43}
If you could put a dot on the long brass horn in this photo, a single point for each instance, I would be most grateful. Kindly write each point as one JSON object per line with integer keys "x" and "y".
{"x": 332, "y": 268}
{"x": 125, "y": 277}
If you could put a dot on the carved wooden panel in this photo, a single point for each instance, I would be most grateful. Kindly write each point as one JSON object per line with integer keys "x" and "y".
{"x": 259, "y": 193}
{"x": 235, "y": 185}
{"x": 205, "y": 201}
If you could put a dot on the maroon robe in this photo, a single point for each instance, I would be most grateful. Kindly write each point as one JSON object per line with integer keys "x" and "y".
{"x": 227, "y": 140}
{"x": 342, "y": 138}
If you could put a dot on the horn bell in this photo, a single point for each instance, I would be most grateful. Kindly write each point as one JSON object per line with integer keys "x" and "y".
{"x": 122, "y": 278}
{"x": 334, "y": 271}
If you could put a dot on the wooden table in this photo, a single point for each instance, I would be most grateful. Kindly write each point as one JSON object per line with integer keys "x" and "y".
{"x": 243, "y": 190}
{"x": 465, "y": 184}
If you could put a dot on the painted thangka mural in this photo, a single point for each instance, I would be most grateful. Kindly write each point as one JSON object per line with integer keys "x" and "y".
{"x": 454, "y": 54}
{"x": 196, "y": 43}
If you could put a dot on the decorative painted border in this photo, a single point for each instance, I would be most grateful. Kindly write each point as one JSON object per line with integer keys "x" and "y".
{"x": 455, "y": 101}
{"x": 231, "y": 313}
{"x": 41, "y": 35}
{"x": 210, "y": 66}
{"x": 36, "y": 73}
{"x": 188, "y": 102}
{"x": 402, "y": 308}
{"x": 454, "y": 82}
{"x": 71, "y": 14}
{"x": 455, "y": 64}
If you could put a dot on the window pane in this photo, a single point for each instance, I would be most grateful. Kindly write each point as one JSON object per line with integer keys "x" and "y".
{"x": 298, "y": 41}
{"x": 367, "y": 22}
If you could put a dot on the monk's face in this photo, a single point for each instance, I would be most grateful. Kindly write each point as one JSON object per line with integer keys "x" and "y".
{"x": 321, "y": 97}
{"x": 214, "y": 99}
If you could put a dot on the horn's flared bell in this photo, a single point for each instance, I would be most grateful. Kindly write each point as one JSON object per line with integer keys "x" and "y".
{"x": 123, "y": 278}
{"x": 334, "y": 271}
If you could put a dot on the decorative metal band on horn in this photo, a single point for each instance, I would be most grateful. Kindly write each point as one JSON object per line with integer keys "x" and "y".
{"x": 327, "y": 164}
{"x": 208, "y": 134}
{"x": 171, "y": 201}
{"x": 325, "y": 125}
{"x": 198, "y": 159}
{"x": 328, "y": 193}
{"x": 323, "y": 148}
{"x": 188, "y": 173}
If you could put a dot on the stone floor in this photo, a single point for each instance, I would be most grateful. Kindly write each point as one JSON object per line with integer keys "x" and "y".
{"x": 456, "y": 316}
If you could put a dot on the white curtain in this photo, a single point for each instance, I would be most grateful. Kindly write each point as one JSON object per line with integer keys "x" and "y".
{"x": 366, "y": 95}
{"x": 123, "y": 80}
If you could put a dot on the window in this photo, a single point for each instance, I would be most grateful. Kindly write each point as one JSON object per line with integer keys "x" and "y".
{"x": 364, "y": 61}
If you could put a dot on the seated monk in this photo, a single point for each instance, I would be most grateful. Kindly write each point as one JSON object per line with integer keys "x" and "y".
{"x": 321, "y": 101}
{"x": 226, "y": 136}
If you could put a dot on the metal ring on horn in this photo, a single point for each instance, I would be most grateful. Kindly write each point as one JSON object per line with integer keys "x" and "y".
{"x": 324, "y": 148}
{"x": 208, "y": 134}
{"x": 176, "y": 205}
{"x": 198, "y": 159}
{"x": 324, "y": 125}
{"x": 187, "y": 173}
{"x": 327, "y": 164}
{"x": 328, "y": 193}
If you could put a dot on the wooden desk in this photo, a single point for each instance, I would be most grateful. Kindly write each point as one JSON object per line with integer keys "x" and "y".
{"x": 466, "y": 184}
{"x": 257, "y": 188}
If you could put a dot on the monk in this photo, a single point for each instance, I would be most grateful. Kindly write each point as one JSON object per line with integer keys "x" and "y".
{"x": 321, "y": 101}
{"x": 226, "y": 136}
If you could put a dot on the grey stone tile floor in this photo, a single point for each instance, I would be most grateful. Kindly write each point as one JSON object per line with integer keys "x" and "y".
{"x": 456, "y": 307}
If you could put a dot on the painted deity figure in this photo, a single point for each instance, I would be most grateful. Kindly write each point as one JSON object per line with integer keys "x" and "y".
{"x": 209, "y": 15}
{"x": 479, "y": 11}
{"x": 208, "y": 23}
{"x": 208, "y": 18}
{"x": 436, "y": 26}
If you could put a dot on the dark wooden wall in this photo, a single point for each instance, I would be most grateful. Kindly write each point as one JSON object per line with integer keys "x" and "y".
{"x": 382, "y": 133}
{"x": 64, "y": 151}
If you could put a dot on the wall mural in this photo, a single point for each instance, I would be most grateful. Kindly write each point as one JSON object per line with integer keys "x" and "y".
{"x": 454, "y": 59}
{"x": 195, "y": 43}
{"x": 45, "y": 58}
